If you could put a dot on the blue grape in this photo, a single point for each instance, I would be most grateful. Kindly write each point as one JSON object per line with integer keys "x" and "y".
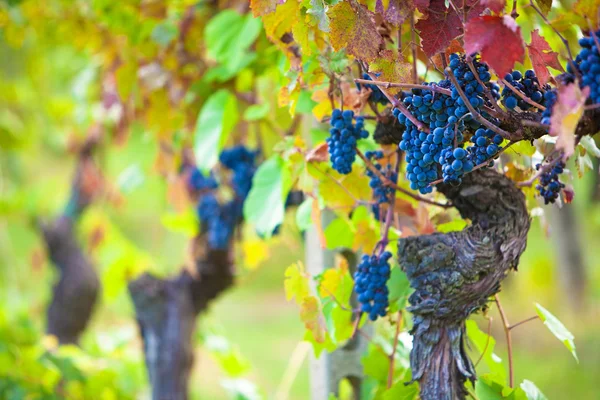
{"x": 370, "y": 284}
{"x": 377, "y": 95}
{"x": 527, "y": 84}
{"x": 549, "y": 185}
{"x": 342, "y": 140}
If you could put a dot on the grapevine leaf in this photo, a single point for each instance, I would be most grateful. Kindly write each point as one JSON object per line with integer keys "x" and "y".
{"x": 399, "y": 288}
{"x": 265, "y": 205}
{"x": 587, "y": 9}
{"x": 217, "y": 118}
{"x": 296, "y": 282}
{"x": 544, "y": 5}
{"x": 336, "y": 282}
{"x": 262, "y": 7}
{"x": 304, "y": 214}
{"x": 397, "y": 11}
{"x": 340, "y": 192}
{"x": 494, "y": 5}
{"x": 318, "y": 11}
{"x": 353, "y": 28}
{"x": 532, "y": 391}
{"x": 422, "y": 5}
{"x": 498, "y": 39}
{"x": 401, "y": 391}
{"x": 441, "y": 26}
{"x": 542, "y": 57}
{"x": 256, "y": 112}
{"x": 391, "y": 68}
{"x": 339, "y": 233}
{"x": 590, "y": 146}
{"x": 488, "y": 387}
{"x": 310, "y": 313}
{"x": 485, "y": 344}
{"x": 282, "y": 20}
{"x": 557, "y": 329}
{"x": 566, "y": 113}
{"x": 255, "y": 252}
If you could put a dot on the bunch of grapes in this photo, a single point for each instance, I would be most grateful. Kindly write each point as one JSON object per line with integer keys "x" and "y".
{"x": 528, "y": 85}
{"x": 382, "y": 194}
{"x": 242, "y": 162}
{"x": 550, "y": 185}
{"x": 198, "y": 182}
{"x": 370, "y": 282}
{"x": 343, "y": 136}
{"x": 588, "y": 62}
{"x": 550, "y": 98}
{"x": 377, "y": 95}
{"x": 455, "y": 162}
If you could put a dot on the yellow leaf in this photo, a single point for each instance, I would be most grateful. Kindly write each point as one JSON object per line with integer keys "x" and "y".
{"x": 296, "y": 283}
{"x": 391, "y": 69}
{"x": 301, "y": 36}
{"x": 329, "y": 282}
{"x": 255, "y": 252}
{"x": 566, "y": 113}
{"x": 282, "y": 20}
{"x": 310, "y": 313}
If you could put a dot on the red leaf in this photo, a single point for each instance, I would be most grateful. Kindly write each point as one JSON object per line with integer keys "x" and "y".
{"x": 494, "y": 5}
{"x": 441, "y": 26}
{"x": 422, "y": 5}
{"x": 542, "y": 57}
{"x": 397, "y": 11}
{"x": 499, "y": 41}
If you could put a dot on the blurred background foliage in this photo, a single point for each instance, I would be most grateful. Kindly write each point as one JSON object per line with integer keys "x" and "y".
{"x": 143, "y": 73}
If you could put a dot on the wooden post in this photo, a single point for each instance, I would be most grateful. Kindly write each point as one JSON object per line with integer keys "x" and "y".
{"x": 327, "y": 371}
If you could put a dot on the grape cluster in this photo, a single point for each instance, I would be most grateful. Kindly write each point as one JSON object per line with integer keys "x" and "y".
{"x": 588, "y": 62}
{"x": 455, "y": 162}
{"x": 343, "y": 136}
{"x": 527, "y": 84}
{"x": 549, "y": 98}
{"x": 370, "y": 281}
{"x": 242, "y": 162}
{"x": 550, "y": 185}
{"x": 198, "y": 182}
{"x": 377, "y": 95}
{"x": 219, "y": 220}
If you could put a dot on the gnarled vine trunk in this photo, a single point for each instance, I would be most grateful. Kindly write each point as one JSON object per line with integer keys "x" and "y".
{"x": 166, "y": 312}
{"x": 455, "y": 273}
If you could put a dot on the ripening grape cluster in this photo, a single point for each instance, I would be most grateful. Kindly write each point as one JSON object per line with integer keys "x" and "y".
{"x": 588, "y": 62}
{"x": 382, "y": 194}
{"x": 377, "y": 95}
{"x": 550, "y": 185}
{"x": 343, "y": 136}
{"x": 527, "y": 84}
{"x": 448, "y": 118}
{"x": 219, "y": 220}
{"x": 370, "y": 280}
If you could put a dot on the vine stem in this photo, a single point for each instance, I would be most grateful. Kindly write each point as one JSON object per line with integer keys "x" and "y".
{"x": 401, "y": 107}
{"x": 475, "y": 114}
{"x": 388, "y": 182}
{"x": 487, "y": 342}
{"x": 506, "y": 325}
{"x": 522, "y": 95}
{"x": 523, "y": 322}
{"x": 543, "y": 169}
{"x": 392, "y": 357}
{"x": 486, "y": 89}
{"x": 405, "y": 86}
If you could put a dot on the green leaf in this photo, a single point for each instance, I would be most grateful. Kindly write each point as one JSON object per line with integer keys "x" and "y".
{"x": 215, "y": 121}
{"x": 228, "y": 36}
{"x": 485, "y": 344}
{"x": 296, "y": 282}
{"x": 532, "y": 391}
{"x": 401, "y": 391}
{"x": 399, "y": 288}
{"x": 257, "y": 111}
{"x": 265, "y": 205}
{"x": 487, "y": 388}
{"x": 557, "y": 329}
{"x": 303, "y": 214}
{"x": 339, "y": 233}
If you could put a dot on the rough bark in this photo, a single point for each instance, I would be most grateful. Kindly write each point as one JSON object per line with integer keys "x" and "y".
{"x": 454, "y": 274}
{"x": 166, "y": 312}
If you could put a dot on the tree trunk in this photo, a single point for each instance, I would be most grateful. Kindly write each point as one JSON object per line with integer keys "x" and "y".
{"x": 76, "y": 292}
{"x": 166, "y": 313}
{"x": 454, "y": 274}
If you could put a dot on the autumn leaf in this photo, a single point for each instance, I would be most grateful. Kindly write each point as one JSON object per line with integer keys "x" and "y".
{"x": 544, "y": 5}
{"x": 422, "y": 5}
{"x": 587, "y": 9}
{"x": 353, "y": 28}
{"x": 397, "y": 11}
{"x": 391, "y": 69}
{"x": 318, "y": 154}
{"x": 310, "y": 313}
{"x": 263, "y": 7}
{"x": 498, "y": 39}
{"x": 542, "y": 57}
{"x": 296, "y": 283}
{"x": 494, "y": 5}
{"x": 439, "y": 29}
{"x": 566, "y": 113}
